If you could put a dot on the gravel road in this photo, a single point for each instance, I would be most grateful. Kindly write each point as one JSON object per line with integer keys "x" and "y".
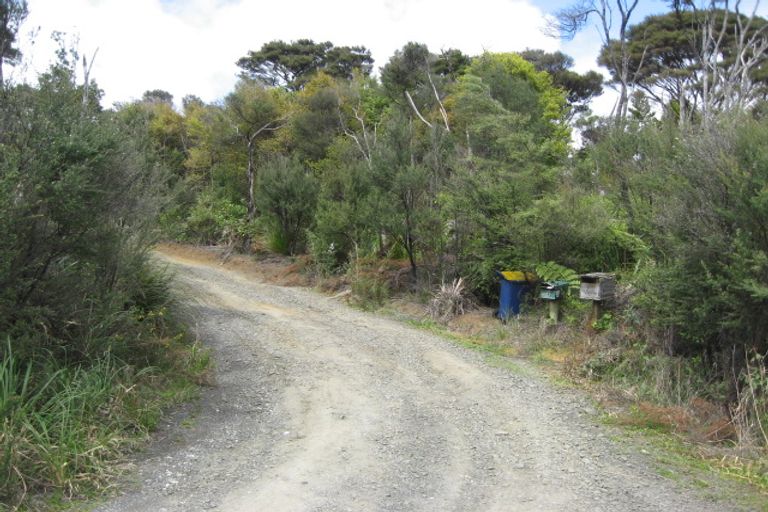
{"x": 318, "y": 407}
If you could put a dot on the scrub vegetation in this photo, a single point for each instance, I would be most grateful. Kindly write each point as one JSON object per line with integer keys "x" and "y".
{"x": 425, "y": 178}
{"x": 90, "y": 350}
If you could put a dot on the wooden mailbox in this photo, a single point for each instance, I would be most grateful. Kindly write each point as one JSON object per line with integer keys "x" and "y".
{"x": 597, "y": 286}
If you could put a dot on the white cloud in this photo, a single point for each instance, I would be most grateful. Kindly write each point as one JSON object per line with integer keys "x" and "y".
{"x": 190, "y": 47}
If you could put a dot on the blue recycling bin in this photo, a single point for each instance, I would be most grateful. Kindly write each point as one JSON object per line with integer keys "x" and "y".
{"x": 512, "y": 287}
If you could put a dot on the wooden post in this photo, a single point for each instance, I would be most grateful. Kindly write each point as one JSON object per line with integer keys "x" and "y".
{"x": 596, "y": 312}
{"x": 554, "y": 310}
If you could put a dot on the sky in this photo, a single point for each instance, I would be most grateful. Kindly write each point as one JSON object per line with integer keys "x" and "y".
{"x": 190, "y": 46}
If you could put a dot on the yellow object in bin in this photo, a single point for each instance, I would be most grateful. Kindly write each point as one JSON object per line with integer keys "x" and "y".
{"x": 515, "y": 275}
{"x": 512, "y": 275}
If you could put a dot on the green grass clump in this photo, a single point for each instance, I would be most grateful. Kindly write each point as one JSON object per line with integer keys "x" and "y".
{"x": 62, "y": 427}
{"x": 370, "y": 292}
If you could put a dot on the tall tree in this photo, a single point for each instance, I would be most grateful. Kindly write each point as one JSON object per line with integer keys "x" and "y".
{"x": 580, "y": 88}
{"x": 157, "y": 96}
{"x": 315, "y": 121}
{"x": 665, "y": 50}
{"x": 409, "y": 76}
{"x": 612, "y": 19}
{"x": 451, "y": 63}
{"x": 12, "y": 13}
{"x": 290, "y": 65}
{"x": 517, "y": 88}
{"x": 208, "y": 140}
{"x": 401, "y": 181}
{"x": 255, "y": 113}
{"x": 344, "y": 61}
{"x": 512, "y": 120}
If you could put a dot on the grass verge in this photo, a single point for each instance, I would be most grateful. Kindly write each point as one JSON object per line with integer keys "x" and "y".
{"x": 692, "y": 464}
{"x": 64, "y": 428}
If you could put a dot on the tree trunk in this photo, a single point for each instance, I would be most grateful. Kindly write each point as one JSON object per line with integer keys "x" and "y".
{"x": 251, "y": 200}
{"x": 411, "y": 258}
{"x": 251, "y": 182}
{"x": 409, "y": 246}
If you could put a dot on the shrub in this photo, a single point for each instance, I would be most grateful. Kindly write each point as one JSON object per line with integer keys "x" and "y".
{"x": 82, "y": 314}
{"x": 287, "y": 195}
{"x": 214, "y": 219}
{"x": 709, "y": 283}
{"x": 346, "y": 217}
{"x": 369, "y": 290}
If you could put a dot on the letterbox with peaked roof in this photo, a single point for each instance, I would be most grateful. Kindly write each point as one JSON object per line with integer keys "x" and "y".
{"x": 598, "y": 286}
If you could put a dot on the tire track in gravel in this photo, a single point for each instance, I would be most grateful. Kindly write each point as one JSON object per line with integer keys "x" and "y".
{"x": 319, "y": 407}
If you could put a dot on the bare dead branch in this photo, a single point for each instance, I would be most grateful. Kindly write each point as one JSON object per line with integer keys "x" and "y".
{"x": 87, "y": 74}
{"x": 443, "y": 112}
{"x": 416, "y": 110}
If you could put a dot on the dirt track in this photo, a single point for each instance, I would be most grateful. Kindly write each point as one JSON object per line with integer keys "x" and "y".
{"x": 318, "y": 407}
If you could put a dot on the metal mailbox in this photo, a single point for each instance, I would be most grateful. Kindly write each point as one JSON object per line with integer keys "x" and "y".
{"x": 597, "y": 286}
{"x": 553, "y": 290}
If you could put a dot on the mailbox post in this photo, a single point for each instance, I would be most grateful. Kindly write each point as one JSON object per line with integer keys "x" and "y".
{"x": 552, "y": 292}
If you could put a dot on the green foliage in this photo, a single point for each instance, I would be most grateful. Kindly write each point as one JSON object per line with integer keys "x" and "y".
{"x": 580, "y": 89}
{"x": 417, "y": 80}
{"x": 292, "y": 64}
{"x": 451, "y": 63}
{"x": 506, "y": 229}
{"x": 510, "y": 115}
{"x": 404, "y": 182}
{"x": 581, "y": 231}
{"x": 252, "y": 106}
{"x": 656, "y": 377}
{"x": 61, "y": 425}
{"x": 82, "y": 312}
{"x": 711, "y": 268}
{"x": 214, "y": 218}
{"x": 369, "y": 291}
{"x": 80, "y": 195}
{"x": 315, "y": 123}
{"x": 287, "y": 194}
{"x": 551, "y": 271}
{"x": 518, "y": 87}
{"x": 606, "y": 322}
{"x": 346, "y": 220}
{"x": 406, "y": 70}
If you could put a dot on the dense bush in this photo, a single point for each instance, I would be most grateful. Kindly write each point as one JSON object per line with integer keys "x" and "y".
{"x": 214, "y": 219}
{"x": 79, "y": 201}
{"x": 287, "y": 195}
{"x": 709, "y": 282}
{"x": 345, "y": 222}
{"x": 83, "y": 313}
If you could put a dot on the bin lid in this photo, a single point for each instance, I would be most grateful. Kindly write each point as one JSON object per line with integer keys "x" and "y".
{"x": 516, "y": 275}
{"x": 513, "y": 275}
